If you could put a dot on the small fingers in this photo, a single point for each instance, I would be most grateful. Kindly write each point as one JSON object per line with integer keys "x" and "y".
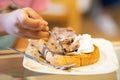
{"x": 32, "y": 13}
{"x": 35, "y": 24}
{"x": 38, "y": 35}
{"x": 32, "y": 34}
{"x": 42, "y": 28}
{"x": 31, "y": 20}
{"x": 43, "y": 34}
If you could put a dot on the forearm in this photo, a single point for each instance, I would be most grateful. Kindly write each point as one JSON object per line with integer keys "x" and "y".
{"x": 24, "y": 23}
{"x": 2, "y": 27}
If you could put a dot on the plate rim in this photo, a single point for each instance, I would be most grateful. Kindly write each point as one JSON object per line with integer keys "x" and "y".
{"x": 77, "y": 73}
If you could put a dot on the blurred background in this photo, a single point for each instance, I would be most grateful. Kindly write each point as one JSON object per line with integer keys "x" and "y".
{"x": 100, "y": 18}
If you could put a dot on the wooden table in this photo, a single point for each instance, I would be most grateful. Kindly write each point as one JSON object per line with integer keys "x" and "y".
{"x": 11, "y": 65}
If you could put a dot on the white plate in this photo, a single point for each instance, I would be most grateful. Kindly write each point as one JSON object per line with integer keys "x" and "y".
{"x": 108, "y": 62}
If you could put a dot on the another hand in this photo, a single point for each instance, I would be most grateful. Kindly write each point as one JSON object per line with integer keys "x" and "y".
{"x": 25, "y": 23}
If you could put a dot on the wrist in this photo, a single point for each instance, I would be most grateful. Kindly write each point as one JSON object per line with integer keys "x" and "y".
{"x": 2, "y": 27}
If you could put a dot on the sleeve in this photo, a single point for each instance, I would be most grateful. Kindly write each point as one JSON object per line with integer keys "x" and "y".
{"x": 37, "y": 5}
{"x": 4, "y": 3}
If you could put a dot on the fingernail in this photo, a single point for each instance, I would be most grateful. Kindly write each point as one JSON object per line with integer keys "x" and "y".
{"x": 47, "y": 28}
{"x": 45, "y": 22}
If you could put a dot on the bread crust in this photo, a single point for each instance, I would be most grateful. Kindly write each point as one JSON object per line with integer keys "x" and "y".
{"x": 77, "y": 59}
{"x": 82, "y": 59}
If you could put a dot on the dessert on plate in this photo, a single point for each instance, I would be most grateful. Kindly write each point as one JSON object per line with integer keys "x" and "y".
{"x": 65, "y": 47}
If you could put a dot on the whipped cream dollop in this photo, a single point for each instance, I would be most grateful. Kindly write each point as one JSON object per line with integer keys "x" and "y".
{"x": 85, "y": 44}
